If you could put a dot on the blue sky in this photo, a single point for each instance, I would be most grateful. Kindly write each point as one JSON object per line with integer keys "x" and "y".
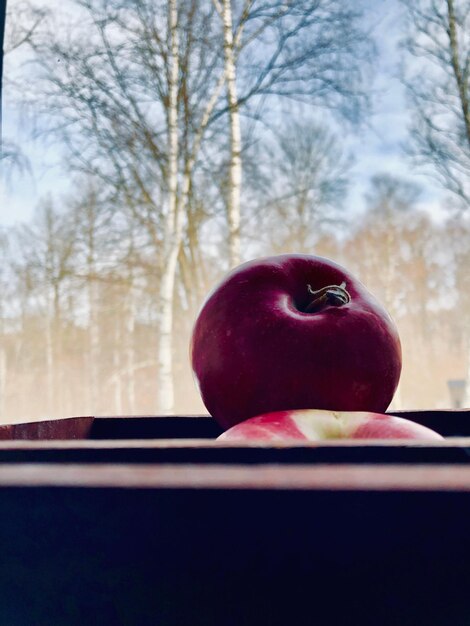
{"x": 380, "y": 148}
{"x": 377, "y": 147}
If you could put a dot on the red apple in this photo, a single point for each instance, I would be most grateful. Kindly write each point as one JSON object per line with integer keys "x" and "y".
{"x": 293, "y": 332}
{"x": 313, "y": 425}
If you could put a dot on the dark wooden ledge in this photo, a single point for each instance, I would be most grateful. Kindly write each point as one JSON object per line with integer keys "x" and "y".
{"x": 449, "y": 423}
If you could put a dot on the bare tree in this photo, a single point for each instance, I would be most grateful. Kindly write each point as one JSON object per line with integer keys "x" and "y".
{"x": 173, "y": 224}
{"x": 390, "y": 201}
{"x": 44, "y": 250}
{"x": 457, "y": 238}
{"x": 94, "y": 236}
{"x": 132, "y": 99}
{"x": 299, "y": 186}
{"x": 438, "y": 84}
{"x": 134, "y": 91}
{"x": 394, "y": 250}
{"x": 5, "y": 294}
{"x": 312, "y": 52}
{"x": 235, "y": 167}
{"x": 22, "y": 21}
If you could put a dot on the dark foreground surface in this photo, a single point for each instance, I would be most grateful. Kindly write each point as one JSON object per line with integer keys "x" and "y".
{"x": 151, "y": 531}
{"x": 212, "y": 557}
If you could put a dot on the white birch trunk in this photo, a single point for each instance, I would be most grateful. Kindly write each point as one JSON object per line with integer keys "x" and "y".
{"x": 235, "y": 165}
{"x": 59, "y": 394}
{"x": 466, "y": 400}
{"x": 49, "y": 362}
{"x": 117, "y": 367}
{"x": 165, "y": 351}
{"x": 390, "y": 269}
{"x": 3, "y": 381}
{"x": 130, "y": 349}
{"x": 93, "y": 346}
{"x": 167, "y": 287}
{"x": 177, "y": 207}
{"x": 172, "y": 240}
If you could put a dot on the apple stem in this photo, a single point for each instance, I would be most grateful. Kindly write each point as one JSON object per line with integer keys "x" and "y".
{"x": 332, "y": 295}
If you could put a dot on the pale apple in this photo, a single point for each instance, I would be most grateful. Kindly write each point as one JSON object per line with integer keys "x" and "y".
{"x": 318, "y": 425}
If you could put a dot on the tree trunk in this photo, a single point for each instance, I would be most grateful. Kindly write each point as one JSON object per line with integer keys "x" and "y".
{"x": 50, "y": 365}
{"x": 177, "y": 208}
{"x": 59, "y": 393}
{"x": 461, "y": 78}
{"x": 165, "y": 351}
{"x": 173, "y": 226}
{"x": 466, "y": 401}
{"x": 461, "y": 75}
{"x": 93, "y": 344}
{"x": 130, "y": 348}
{"x": 235, "y": 165}
{"x": 3, "y": 381}
{"x": 117, "y": 378}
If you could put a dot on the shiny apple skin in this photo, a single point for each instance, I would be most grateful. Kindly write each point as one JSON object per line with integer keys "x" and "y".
{"x": 313, "y": 425}
{"x": 255, "y": 351}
